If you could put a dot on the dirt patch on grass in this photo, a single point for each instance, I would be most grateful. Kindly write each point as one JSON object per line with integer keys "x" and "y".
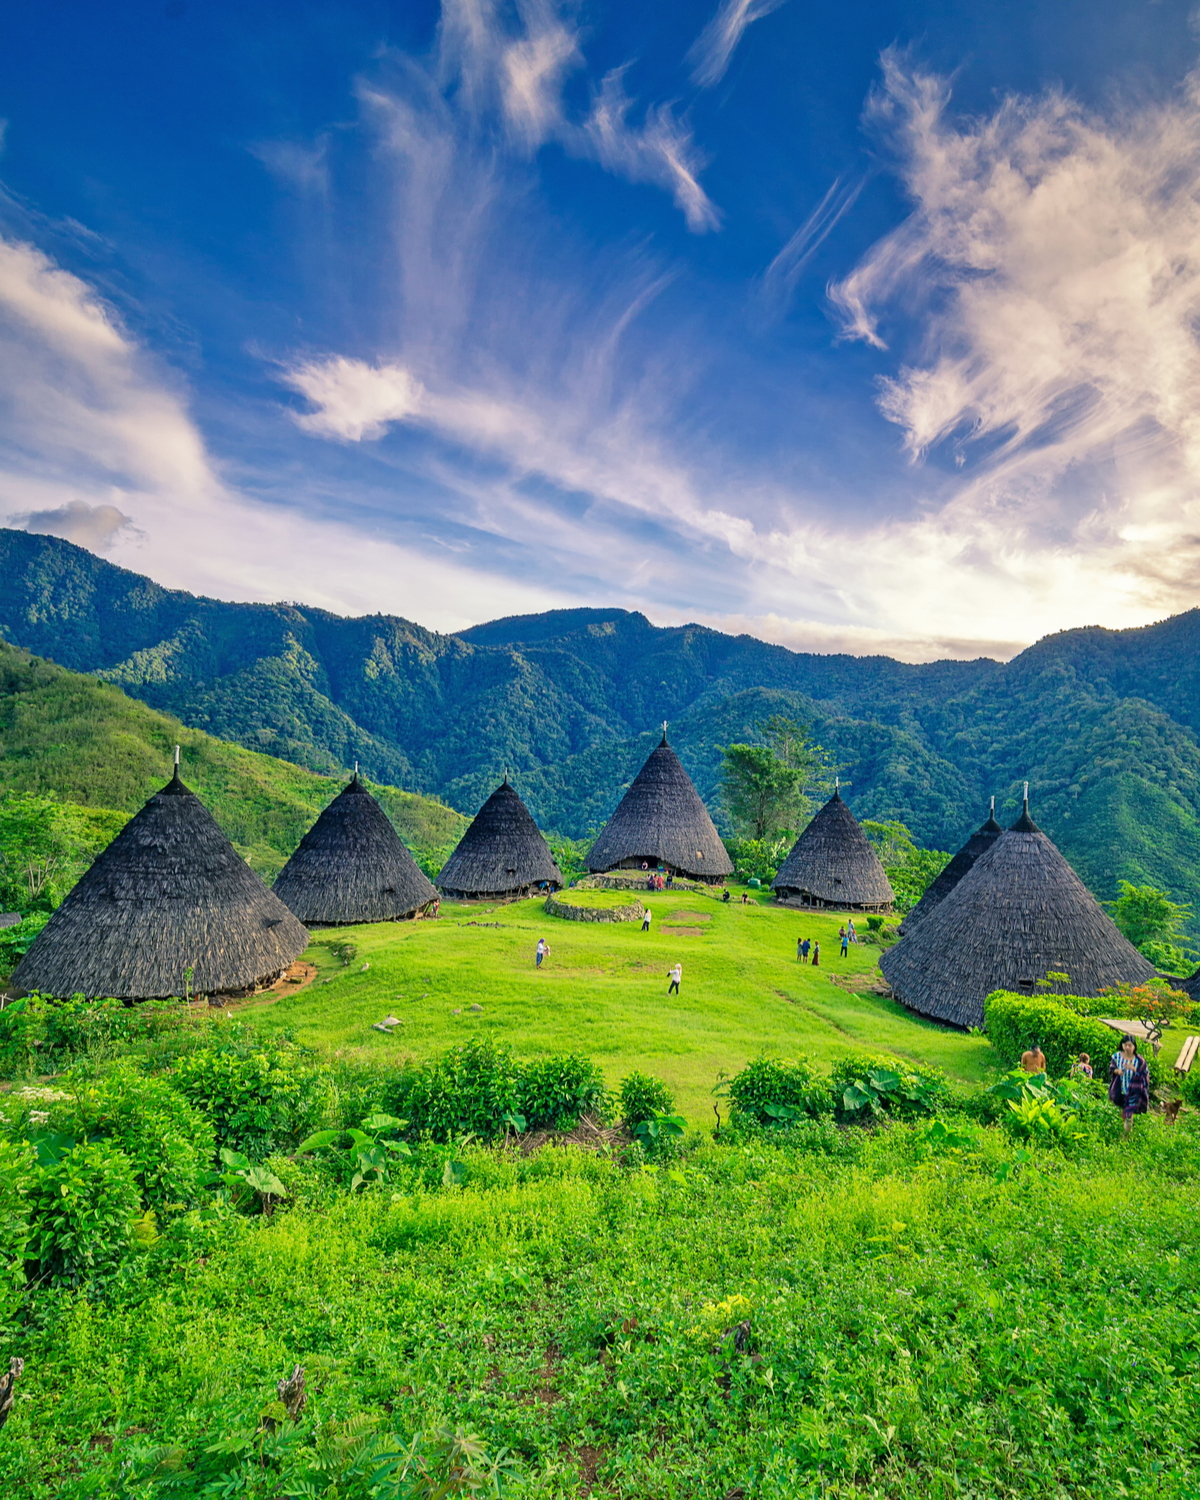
{"x": 589, "y": 1460}
{"x": 588, "y": 1135}
{"x": 689, "y": 916}
{"x": 682, "y": 931}
{"x": 298, "y": 977}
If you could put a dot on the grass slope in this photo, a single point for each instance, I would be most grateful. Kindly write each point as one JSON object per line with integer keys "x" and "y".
{"x": 603, "y": 991}
{"x": 86, "y": 742}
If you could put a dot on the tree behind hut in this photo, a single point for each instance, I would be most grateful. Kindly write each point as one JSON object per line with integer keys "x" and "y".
{"x": 46, "y": 845}
{"x": 768, "y": 789}
{"x": 1154, "y": 923}
{"x": 910, "y": 869}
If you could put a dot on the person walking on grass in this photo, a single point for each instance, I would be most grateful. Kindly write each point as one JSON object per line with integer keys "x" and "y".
{"x": 799, "y": 950}
{"x": 543, "y": 948}
{"x": 1129, "y": 1081}
{"x": 853, "y": 936}
{"x": 646, "y": 920}
{"x": 676, "y": 977}
{"x": 805, "y": 948}
{"x": 845, "y": 937}
{"x": 816, "y": 958}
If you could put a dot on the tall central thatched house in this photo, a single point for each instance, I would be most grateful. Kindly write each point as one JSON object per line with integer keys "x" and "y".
{"x": 937, "y": 891}
{"x": 661, "y": 820}
{"x": 833, "y": 864}
{"x": 352, "y": 867}
{"x": 1019, "y": 913}
{"x": 168, "y": 894}
{"x": 502, "y": 855}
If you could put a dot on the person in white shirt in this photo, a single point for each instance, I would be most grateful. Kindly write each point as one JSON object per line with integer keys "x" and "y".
{"x": 646, "y": 920}
{"x": 543, "y": 948}
{"x": 676, "y": 975}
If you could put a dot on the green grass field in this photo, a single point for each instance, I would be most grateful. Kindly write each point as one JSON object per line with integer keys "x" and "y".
{"x": 603, "y": 991}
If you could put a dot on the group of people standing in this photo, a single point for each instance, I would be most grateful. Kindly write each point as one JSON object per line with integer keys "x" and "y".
{"x": 1128, "y": 1076}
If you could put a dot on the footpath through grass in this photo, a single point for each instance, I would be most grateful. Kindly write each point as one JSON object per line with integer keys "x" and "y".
{"x": 603, "y": 991}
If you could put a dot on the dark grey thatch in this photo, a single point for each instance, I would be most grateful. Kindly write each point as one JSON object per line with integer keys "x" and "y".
{"x": 661, "y": 820}
{"x": 980, "y": 841}
{"x": 351, "y": 867}
{"x": 170, "y": 892}
{"x": 502, "y": 854}
{"x": 832, "y": 864}
{"x": 1019, "y": 913}
{"x": 1192, "y": 985}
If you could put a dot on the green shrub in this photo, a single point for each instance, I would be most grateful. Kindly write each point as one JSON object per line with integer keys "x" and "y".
{"x": 82, "y": 1207}
{"x": 15, "y": 942}
{"x": 864, "y": 1084}
{"x": 556, "y": 1091}
{"x": 169, "y": 1142}
{"x": 773, "y": 1094}
{"x": 16, "y": 1179}
{"x": 471, "y": 1088}
{"x": 42, "y": 1035}
{"x": 643, "y": 1096}
{"x": 1015, "y": 1023}
{"x": 258, "y": 1102}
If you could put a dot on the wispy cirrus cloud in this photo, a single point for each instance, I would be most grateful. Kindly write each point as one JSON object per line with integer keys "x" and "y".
{"x": 780, "y": 278}
{"x": 1051, "y": 261}
{"x": 712, "y": 51}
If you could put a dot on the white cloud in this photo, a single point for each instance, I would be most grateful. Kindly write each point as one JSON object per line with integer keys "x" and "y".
{"x": 712, "y": 51}
{"x": 780, "y": 278}
{"x": 484, "y": 64}
{"x": 354, "y": 400}
{"x": 94, "y": 438}
{"x": 93, "y": 526}
{"x": 661, "y": 152}
{"x": 1050, "y": 260}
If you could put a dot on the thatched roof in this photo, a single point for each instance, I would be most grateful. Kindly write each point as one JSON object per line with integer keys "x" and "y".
{"x": 661, "y": 820}
{"x": 833, "y": 864}
{"x": 351, "y": 867}
{"x": 169, "y": 892}
{"x": 1192, "y": 985}
{"x": 981, "y": 840}
{"x": 502, "y": 853}
{"x": 1019, "y": 913}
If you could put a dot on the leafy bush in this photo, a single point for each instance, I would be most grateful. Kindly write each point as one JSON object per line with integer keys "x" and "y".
{"x": 169, "y": 1142}
{"x": 15, "y": 942}
{"x": 82, "y": 1207}
{"x": 1016, "y": 1023}
{"x": 16, "y": 1177}
{"x": 42, "y": 1035}
{"x": 864, "y": 1084}
{"x": 643, "y": 1096}
{"x": 556, "y": 1091}
{"x": 471, "y": 1088}
{"x": 258, "y": 1102}
{"x": 774, "y": 1094}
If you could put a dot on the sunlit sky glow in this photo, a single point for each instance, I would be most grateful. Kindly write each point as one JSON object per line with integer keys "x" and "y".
{"x": 872, "y": 334}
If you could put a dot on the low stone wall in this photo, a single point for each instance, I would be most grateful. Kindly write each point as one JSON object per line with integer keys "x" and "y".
{"x": 631, "y": 913}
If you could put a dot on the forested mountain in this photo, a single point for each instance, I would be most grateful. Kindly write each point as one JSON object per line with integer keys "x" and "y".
{"x": 1102, "y": 723}
{"x": 80, "y": 741}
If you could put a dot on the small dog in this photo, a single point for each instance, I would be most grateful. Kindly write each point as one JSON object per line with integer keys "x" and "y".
{"x": 1171, "y": 1110}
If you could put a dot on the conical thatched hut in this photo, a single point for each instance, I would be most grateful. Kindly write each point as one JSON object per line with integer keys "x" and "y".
{"x": 1192, "y": 985}
{"x": 351, "y": 867}
{"x": 662, "y": 821}
{"x": 502, "y": 855}
{"x": 832, "y": 864}
{"x": 979, "y": 842}
{"x": 168, "y": 894}
{"x": 1019, "y": 913}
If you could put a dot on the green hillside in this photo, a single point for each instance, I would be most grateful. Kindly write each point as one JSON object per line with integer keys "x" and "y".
{"x": 1102, "y": 723}
{"x": 86, "y": 742}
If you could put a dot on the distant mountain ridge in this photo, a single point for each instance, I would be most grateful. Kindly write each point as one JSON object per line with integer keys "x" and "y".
{"x": 1103, "y": 723}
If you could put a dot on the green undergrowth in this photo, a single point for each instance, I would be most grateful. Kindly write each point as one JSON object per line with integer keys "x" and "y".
{"x": 889, "y": 1321}
{"x": 871, "y": 1282}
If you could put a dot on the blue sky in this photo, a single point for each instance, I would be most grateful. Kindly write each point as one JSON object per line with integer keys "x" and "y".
{"x": 866, "y": 329}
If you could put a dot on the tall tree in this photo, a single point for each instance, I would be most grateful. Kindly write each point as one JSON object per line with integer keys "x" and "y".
{"x": 766, "y": 788}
